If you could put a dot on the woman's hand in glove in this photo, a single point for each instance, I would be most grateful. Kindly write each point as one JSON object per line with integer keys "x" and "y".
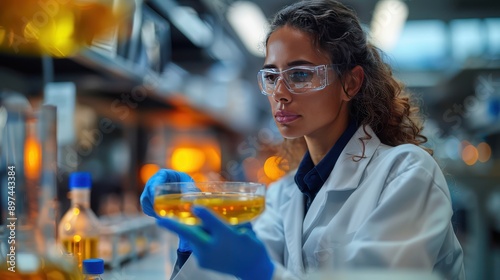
{"x": 224, "y": 248}
{"x": 148, "y": 195}
{"x": 162, "y": 176}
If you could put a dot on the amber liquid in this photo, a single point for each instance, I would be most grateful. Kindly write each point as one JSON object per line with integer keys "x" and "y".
{"x": 235, "y": 208}
{"x": 49, "y": 270}
{"x": 56, "y": 28}
{"x": 81, "y": 248}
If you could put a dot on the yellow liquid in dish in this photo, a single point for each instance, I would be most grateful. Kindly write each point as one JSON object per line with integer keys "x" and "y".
{"x": 81, "y": 248}
{"x": 235, "y": 208}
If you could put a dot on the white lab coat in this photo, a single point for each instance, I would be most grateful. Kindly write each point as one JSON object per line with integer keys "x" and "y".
{"x": 390, "y": 209}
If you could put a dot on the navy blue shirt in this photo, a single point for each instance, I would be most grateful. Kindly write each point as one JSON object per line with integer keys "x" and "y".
{"x": 310, "y": 178}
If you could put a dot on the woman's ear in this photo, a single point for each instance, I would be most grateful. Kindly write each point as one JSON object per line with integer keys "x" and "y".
{"x": 353, "y": 81}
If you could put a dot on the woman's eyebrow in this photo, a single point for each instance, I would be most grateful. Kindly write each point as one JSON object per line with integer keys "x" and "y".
{"x": 289, "y": 64}
{"x": 269, "y": 66}
{"x": 299, "y": 62}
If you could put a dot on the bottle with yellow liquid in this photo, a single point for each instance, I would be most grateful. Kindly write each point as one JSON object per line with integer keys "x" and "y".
{"x": 93, "y": 269}
{"x": 79, "y": 227}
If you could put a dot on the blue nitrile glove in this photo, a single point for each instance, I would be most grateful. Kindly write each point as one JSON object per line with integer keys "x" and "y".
{"x": 224, "y": 248}
{"x": 148, "y": 195}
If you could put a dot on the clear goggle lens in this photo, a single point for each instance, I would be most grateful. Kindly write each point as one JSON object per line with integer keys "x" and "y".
{"x": 298, "y": 80}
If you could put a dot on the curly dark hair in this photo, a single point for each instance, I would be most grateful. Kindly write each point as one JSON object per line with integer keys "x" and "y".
{"x": 383, "y": 103}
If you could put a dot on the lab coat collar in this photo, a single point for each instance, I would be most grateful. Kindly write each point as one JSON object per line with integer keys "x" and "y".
{"x": 345, "y": 176}
{"x": 347, "y": 172}
{"x": 352, "y": 163}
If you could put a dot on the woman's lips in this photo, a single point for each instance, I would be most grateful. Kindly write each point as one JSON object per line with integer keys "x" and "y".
{"x": 284, "y": 117}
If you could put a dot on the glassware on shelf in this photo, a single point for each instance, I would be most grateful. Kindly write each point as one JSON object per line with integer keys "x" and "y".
{"x": 235, "y": 202}
{"x": 126, "y": 238}
{"x": 79, "y": 227}
{"x": 27, "y": 185}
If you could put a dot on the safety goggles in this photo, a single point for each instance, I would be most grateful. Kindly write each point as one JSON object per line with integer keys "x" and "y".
{"x": 298, "y": 79}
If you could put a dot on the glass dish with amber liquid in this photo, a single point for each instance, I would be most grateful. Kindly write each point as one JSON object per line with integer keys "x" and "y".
{"x": 234, "y": 202}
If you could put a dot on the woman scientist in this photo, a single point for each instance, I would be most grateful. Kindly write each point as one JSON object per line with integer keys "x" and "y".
{"x": 365, "y": 194}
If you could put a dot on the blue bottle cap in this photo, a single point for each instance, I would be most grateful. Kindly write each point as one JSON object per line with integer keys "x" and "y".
{"x": 93, "y": 266}
{"x": 79, "y": 180}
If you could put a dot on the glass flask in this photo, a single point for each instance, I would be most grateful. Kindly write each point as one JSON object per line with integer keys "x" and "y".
{"x": 79, "y": 227}
{"x": 28, "y": 156}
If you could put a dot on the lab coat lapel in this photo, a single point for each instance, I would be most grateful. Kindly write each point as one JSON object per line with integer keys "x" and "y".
{"x": 293, "y": 212}
{"x": 346, "y": 174}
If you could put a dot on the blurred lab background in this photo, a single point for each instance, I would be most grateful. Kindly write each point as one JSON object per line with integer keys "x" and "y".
{"x": 173, "y": 85}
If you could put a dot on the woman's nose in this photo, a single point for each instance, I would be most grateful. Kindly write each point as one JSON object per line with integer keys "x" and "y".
{"x": 281, "y": 92}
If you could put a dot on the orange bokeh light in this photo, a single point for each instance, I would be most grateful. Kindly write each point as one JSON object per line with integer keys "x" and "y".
{"x": 213, "y": 158}
{"x": 484, "y": 151}
{"x": 188, "y": 159}
{"x": 272, "y": 168}
{"x": 199, "y": 177}
{"x": 32, "y": 158}
{"x": 148, "y": 170}
{"x": 470, "y": 155}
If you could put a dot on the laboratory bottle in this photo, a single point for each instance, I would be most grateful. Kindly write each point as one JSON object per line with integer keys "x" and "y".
{"x": 79, "y": 227}
{"x": 28, "y": 250}
{"x": 93, "y": 269}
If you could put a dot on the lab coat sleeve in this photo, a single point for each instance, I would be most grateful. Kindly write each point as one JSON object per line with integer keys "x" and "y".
{"x": 269, "y": 229}
{"x": 409, "y": 224}
{"x": 269, "y": 226}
